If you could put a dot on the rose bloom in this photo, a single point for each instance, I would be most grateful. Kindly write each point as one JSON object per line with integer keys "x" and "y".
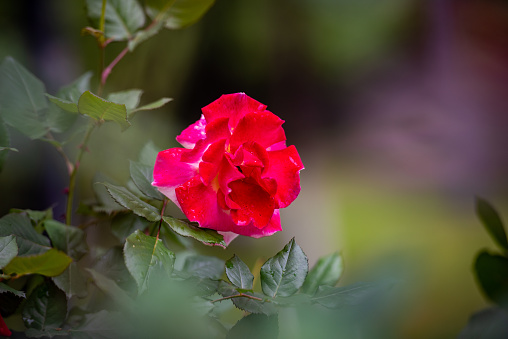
{"x": 235, "y": 171}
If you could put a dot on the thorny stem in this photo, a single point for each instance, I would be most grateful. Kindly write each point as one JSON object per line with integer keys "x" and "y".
{"x": 72, "y": 179}
{"x": 60, "y": 151}
{"x": 107, "y": 70}
{"x": 238, "y": 296}
{"x": 162, "y": 214}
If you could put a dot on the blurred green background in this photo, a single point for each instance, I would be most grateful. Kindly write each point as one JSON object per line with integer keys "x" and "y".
{"x": 397, "y": 108}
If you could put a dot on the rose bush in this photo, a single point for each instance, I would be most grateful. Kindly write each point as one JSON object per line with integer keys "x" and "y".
{"x": 235, "y": 171}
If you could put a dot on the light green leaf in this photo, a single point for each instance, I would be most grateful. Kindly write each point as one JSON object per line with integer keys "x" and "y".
{"x": 154, "y": 105}
{"x": 148, "y": 260}
{"x": 6, "y": 288}
{"x": 130, "y": 201}
{"x": 239, "y": 274}
{"x": 22, "y": 102}
{"x": 110, "y": 288}
{"x": 103, "y": 110}
{"x": 180, "y": 13}
{"x": 29, "y": 241}
{"x": 142, "y": 175}
{"x": 327, "y": 271}
{"x": 45, "y": 308}
{"x": 8, "y": 249}
{"x": 129, "y": 98}
{"x": 283, "y": 274}
{"x": 205, "y": 235}
{"x": 50, "y": 263}
{"x": 123, "y": 17}
{"x": 66, "y": 105}
{"x": 75, "y": 89}
{"x": 72, "y": 281}
{"x": 245, "y": 303}
{"x": 492, "y": 222}
{"x": 68, "y": 239}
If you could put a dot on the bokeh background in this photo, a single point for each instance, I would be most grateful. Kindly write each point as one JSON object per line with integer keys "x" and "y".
{"x": 398, "y": 109}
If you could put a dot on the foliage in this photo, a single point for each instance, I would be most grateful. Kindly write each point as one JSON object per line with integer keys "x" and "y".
{"x": 139, "y": 286}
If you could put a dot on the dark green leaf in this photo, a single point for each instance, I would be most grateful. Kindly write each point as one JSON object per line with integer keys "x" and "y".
{"x": 103, "y": 110}
{"x": 112, "y": 265}
{"x": 492, "y": 274}
{"x": 123, "y": 17}
{"x": 246, "y": 303}
{"x": 239, "y": 274}
{"x": 255, "y": 326}
{"x": 8, "y": 249}
{"x": 326, "y": 271}
{"x": 142, "y": 175}
{"x": 148, "y": 107}
{"x": 125, "y": 224}
{"x": 29, "y": 241}
{"x": 45, "y": 308}
{"x": 148, "y": 260}
{"x": 22, "y": 101}
{"x": 68, "y": 239}
{"x": 337, "y": 297}
{"x": 130, "y": 201}
{"x": 205, "y": 235}
{"x": 111, "y": 289}
{"x": 491, "y": 323}
{"x": 72, "y": 281}
{"x": 6, "y": 288}
{"x": 283, "y": 274}
{"x": 129, "y": 98}
{"x": 204, "y": 266}
{"x": 492, "y": 222}
{"x": 50, "y": 263}
{"x": 100, "y": 325}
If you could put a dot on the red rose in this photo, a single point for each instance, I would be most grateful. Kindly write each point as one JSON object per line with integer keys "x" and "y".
{"x": 235, "y": 171}
{"x": 4, "y": 330}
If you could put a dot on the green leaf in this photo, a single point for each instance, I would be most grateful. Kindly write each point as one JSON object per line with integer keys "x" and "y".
{"x": 239, "y": 274}
{"x": 125, "y": 224}
{"x": 106, "y": 204}
{"x": 50, "y": 263}
{"x": 129, "y": 98}
{"x": 45, "y": 308}
{"x": 142, "y": 175}
{"x": 492, "y": 274}
{"x": 205, "y": 235}
{"x": 130, "y": 201}
{"x": 255, "y": 326}
{"x": 110, "y": 288}
{"x": 337, "y": 297}
{"x": 184, "y": 13}
{"x": 492, "y": 222}
{"x": 4, "y": 144}
{"x": 245, "y": 303}
{"x": 103, "y": 110}
{"x": 66, "y": 105}
{"x": 491, "y": 323}
{"x": 283, "y": 274}
{"x": 204, "y": 266}
{"x": 112, "y": 265}
{"x": 145, "y": 34}
{"x": 68, "y": 239}
{"x": 327, "y": 271}
{"x": 6, "y": 288}
{"x": 8, "y": 250}
{"x": 75, "y": 89}
{"x": 29, "y": 241}
{"x": 22, "y": 102}
{"x": 148, "y": 260}
{"x": 72, "y": 281}
{"x": 151, "y": 106}
{"x": 123, "y": 17}
{"x": 100, "y": 325}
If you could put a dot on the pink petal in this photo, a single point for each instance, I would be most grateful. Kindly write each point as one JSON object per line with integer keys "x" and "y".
{"x": 228, "y": 237}
{"x": 264, "y": 128}
{"x": 285, "y": 166}
{"x": 232, "y": 106}
{"x": 272, "y": 227}
{"x": 169, "y": 172}
{"x": 193, "y": 133}
{"x": 255, "y": 204}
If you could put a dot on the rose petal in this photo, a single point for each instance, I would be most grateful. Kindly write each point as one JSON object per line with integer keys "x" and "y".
{"x": 272, "y": 227}
{"x": 228, "y": 173}
{"x": 209, "y": 167}
{"x": 285, "y": 166}
{"x": 232, "y": 106}
{"x": 193, "y": 133}
{"x": 228, "y": 237}
{"x": 255, "y": 204}
{"x": 169, "y": 172}
{"x": 264, "y": 128}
